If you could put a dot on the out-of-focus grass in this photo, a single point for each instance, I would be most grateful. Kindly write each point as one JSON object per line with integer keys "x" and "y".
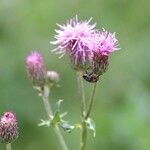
{"x": 121, "y": 109}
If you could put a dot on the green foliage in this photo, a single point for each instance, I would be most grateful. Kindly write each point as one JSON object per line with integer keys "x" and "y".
{"x": 66, "y": 126}
{"x": 57, "y": 120}
{"x": 91, "y": 125}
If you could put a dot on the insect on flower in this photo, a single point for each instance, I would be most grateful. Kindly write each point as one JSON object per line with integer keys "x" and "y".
{"x": 90, "y": 76}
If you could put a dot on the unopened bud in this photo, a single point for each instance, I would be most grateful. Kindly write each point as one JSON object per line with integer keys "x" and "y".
{"x": 8, "y": 128}
{"x": 35, "y": 69}
{"x": 52, "y": 77}
{"x": 99, "y": 67}
{"x": 100, "y": 64}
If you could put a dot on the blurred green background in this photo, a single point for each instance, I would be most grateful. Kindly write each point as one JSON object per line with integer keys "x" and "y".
{"x": 121, "y": 108}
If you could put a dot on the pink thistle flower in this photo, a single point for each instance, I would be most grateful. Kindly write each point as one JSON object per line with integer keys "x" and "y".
{"x": 107, "y": 42}
{"x": 101, "y": 44}
{"x": 8, "y": 128}
{"x": 71, "y": 38}
{"x": 35, "y": 69}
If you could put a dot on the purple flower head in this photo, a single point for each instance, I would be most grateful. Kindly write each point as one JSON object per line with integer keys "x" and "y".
{"x": 72, "y": 39}
{"x": 107, "y": 42}
{"x": 101, "y": 44}
{"x": 8, "y": 128}
{"x": 87, "y": 48}
{"x": 35, "y": 69}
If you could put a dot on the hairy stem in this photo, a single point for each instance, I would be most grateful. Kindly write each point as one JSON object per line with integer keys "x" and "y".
{"x": 83, "y": 111}
{"x": 81, "y": 94}
{"x": 91, "y": 101}
{"x": 83, "y": 136}
{"x": 45, "y": 97}
{"x": 8, "y": 146}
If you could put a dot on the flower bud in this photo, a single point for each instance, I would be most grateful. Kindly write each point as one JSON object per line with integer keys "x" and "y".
{"x": 35, "y": 69}
{"x": 101, "y": 44}
{"x": 52, "y": 77}
{"x": 8, "y": 128}
{"x": 100, "y": 63}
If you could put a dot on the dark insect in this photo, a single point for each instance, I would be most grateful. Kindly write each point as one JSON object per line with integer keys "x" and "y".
{"x": 90, "y": 76}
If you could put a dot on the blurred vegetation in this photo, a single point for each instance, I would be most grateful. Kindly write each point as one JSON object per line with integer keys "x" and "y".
{"x": 121, "y": 108}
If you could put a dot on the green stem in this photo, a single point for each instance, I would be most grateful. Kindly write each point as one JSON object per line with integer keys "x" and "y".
{"x": 8, "y": 146}
{"x": 45, "y": 97}
{"x": 91, "y": 101}
{"x": 83, "y": 136}
{"x": 81, "y": 93}
{"x": 83, "y": 109}
{"x": 61, "y": 138}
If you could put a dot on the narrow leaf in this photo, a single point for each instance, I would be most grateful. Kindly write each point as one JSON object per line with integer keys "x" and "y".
{"x": 66, "y": 126}
{"x": 58, "y": 104}
{"x": 56, "y": 119}
{"x": 91, "y": 125}
{"x": 44, "y": 123}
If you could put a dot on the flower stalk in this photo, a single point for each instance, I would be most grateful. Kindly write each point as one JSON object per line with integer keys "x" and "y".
{"x": 45, "y": 97}
{"x": 83, "y": 135}
{"x": 81, "y": 93}
{"x": 8, "y": 146}
{"x": 91, "y": 101}
{"x": 83, "y": 111}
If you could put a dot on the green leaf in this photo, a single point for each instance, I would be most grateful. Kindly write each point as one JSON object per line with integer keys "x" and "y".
{"x": 57, "y": 116}
{"x": 44, "y": 123}
{"x": 56, "y": 119}
{"x": 58, "y": 104}
{"x": 66, "y": 126}
{"x": 91, "y": 125}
